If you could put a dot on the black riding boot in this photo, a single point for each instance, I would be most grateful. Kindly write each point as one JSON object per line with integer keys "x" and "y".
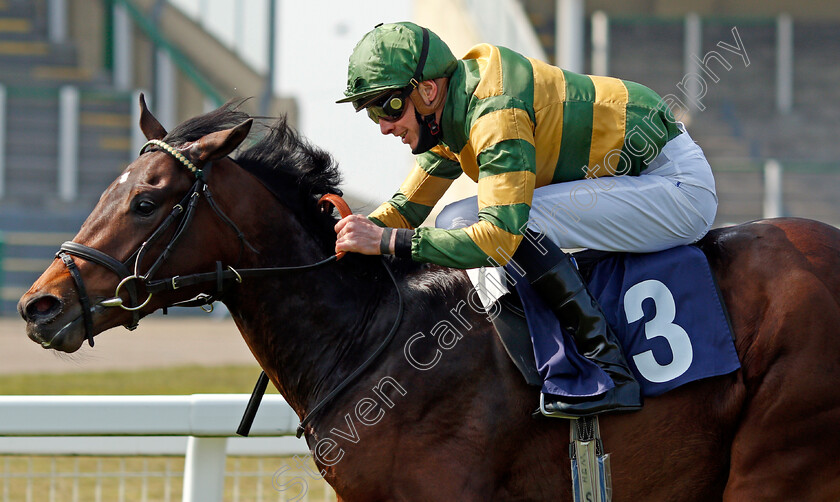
{"x": 556, "y": 279}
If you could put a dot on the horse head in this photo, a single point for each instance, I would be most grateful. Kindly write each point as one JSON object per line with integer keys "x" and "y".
{"x": 138, "y": 232}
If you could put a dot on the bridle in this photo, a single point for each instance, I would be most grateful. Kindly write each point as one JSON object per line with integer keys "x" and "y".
{"x": 183, "y": 212}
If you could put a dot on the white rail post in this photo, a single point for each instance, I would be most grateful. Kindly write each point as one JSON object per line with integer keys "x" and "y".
{"x": 57, "y": 20}
{"x": 569, "y": 35}
{"x": 691, "y": 65}
{"x": 784, "y": 63}
{"x": 204, "y": 469}
{"x": 772, "y": 189}
{"x": 68, "y": 143}
{"x": 2, "y": 140}
{"x": 600, "y": 43}
{"x": 166, "y": 108}
{"x": 123, "y": 48}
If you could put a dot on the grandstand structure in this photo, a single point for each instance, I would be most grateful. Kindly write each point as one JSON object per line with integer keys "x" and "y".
{"x": 741, "y": 126}
{"x": 70, "y": 71}
{"x": 70, "y": 75}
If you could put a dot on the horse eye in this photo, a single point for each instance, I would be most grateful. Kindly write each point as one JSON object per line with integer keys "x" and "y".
{"x": 145, "y": 207}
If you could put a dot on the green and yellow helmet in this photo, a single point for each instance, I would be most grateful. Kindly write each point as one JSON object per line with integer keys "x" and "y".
{"x": 390, "y": 57}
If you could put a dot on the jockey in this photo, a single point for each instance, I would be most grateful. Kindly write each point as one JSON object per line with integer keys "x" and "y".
{"x": 562, "y": 160}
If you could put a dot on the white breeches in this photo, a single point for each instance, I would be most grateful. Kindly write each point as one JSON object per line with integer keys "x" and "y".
{"x": 670, "y": 203}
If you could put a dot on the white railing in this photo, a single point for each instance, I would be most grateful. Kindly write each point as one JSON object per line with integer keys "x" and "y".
{"x": 57, "y": 21}
{"x": 784, "y": 63}
{"x": 68, "y": 143}
{"x": 207, "y": 421}
{"x": 568, "y": 35}
{"x": 773, "y": 200}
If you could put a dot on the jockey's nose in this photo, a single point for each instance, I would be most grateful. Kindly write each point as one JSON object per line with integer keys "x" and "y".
{"x": 386, "y": 127}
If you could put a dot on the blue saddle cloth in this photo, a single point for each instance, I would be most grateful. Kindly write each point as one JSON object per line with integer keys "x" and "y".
{"x": 665, "y": 309}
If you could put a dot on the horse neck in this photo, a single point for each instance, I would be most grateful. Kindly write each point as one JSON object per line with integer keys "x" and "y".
{"x": 303, "y": 327}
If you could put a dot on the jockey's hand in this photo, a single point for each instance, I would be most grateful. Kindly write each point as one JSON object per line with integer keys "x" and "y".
{"x": 357, "y": 234}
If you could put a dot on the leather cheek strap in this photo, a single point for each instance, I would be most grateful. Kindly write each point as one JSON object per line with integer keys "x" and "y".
{"x": 84, "y": 300}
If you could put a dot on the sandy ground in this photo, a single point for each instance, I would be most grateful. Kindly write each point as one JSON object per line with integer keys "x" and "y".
{"x": 158, "y": 342}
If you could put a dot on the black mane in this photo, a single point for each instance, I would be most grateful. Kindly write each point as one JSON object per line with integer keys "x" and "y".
{"x": 283, "y": 159}
{"x": 224, "y": 117}
{"x": 295, "y": 171}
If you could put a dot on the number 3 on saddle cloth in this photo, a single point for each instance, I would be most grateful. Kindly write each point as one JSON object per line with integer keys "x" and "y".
{"x": 665, "y": 309}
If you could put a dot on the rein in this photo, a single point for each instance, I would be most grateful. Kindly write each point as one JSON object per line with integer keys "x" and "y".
{"x": 184, "y": 211}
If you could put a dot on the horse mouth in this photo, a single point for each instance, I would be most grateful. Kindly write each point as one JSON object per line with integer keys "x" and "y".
{"x": 68, "y": 338}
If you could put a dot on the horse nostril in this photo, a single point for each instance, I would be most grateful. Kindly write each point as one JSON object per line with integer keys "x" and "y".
{"x": 41, "y": 308}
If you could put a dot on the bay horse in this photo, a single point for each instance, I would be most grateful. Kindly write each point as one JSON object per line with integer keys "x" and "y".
{"x": 441, "y": 413}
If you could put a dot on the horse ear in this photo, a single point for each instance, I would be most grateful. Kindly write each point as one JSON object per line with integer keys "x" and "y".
{"x": 148, "y": 123}
{"x": 218, "y": 144}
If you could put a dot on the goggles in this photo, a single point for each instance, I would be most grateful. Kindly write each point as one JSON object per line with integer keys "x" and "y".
{"x": 390, "y": 107}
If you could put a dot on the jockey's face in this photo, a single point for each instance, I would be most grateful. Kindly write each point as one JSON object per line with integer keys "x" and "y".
{"x": 406, "y": 127}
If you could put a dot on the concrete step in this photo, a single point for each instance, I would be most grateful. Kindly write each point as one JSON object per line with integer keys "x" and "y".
{"x": 91, "y": 100}
{"x": 31, "y": 239}
{"x": 716, "y": 147}
{"x": 32, "y": 195}
{"x": 105, "y": 120}
{"x": 12, "y": 220}
{"x": 37, "y": 198}
{"x": 53, "y": 76}
{"x": 32, "y": 128}
{"x": 17, "y": 29}
{"x": 33, "y": 69}
{"x": 24, "y": 8}
{"x": 738, "y": 207}
{"x": 23, "y": 50}
{"x": 31, "y": 167}
{"x": 41, "y": 167}
{"x": 28, "y": 54}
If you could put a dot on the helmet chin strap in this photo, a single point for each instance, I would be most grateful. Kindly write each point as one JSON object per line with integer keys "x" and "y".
{"x": 429, "y": 133}
{"x": 426, "y": 117}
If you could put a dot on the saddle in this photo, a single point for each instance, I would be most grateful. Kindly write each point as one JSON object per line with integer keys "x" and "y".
{"x": 664, "y": 307}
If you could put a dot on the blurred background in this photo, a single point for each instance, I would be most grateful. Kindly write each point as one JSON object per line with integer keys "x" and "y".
{"x": 756, "y": 81}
